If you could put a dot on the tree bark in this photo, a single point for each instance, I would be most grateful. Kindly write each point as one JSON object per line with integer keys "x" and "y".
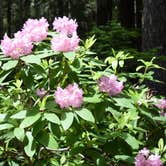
{"x": 139, "y": 8}
{"x": 104, "y": 11}
{"x": 126, "y": 13}
{"x": 37, "y": 8}
{"x": 9, "y": 17}
{"x": 60, "y": 5}
{"x": 1, "y": 19}
{"x": 154, "y": 25}
{"x": 153, "y": 35}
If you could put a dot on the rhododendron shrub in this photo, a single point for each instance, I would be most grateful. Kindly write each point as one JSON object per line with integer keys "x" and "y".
{"x": 60, "y": 104}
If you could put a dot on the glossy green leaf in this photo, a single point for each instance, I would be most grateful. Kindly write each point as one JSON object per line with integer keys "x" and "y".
{"x": 93, "y": 99}
{"x": 2, "y": 117}
{"x": 115, "y": 64}
{"x": 132, "y": 141}
{"x": 31, "y": 59}
{"x": 52, "y": 118}
{"x": 29, "y": 120}
{"x": 19, "y": 133}
{"x": 124, "y": 102}
{"x": 70, "y": 55}
{"x": 4, "y": 75}
{"x": 6, "y": 126}
{"x": 47, "y": 140}
{"x": 10, "y": 64}
{"x": 160, "y": 118}
{"x": 125, "y": 158}
{"x": 121, "y": 63}
{"x": 30, "y": 147}
{"x": 19, "y": 115}
{"x": 67, "y": 120}
{"x": 86, "y": 115}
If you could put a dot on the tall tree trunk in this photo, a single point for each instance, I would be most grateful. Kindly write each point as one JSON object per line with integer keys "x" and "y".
{"x": 26, "y": 9}
{"x": 153, "y": 34}
{"x": 20, "y": 15}
{"x": 126, "y": 13}
{"x": 1, "y": 19}
{"x": 37, "y": 9}
{"x": 60, "y": 5}
{"x": 9, "y": 16}
{"x": 104, "y": 11}
{"x": 154, "y": 25}
{"x": 139, "y": 8}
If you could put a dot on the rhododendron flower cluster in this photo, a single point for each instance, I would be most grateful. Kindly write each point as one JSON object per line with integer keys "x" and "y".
{"x": 33, "y": 31}
{"x": 16, "y": 47}
{"x": 110, "y": 85}
{"x": 144, "y": 158}
{"x": 41, "y": 92}
{"x": 65, "y": 25}
{"x": 67, "y": 39}
{"x": 63, "y": 43}
{"x": 161, "y": 104}
{"x": 70, "y": 96}
{"x": 36, "y": 29}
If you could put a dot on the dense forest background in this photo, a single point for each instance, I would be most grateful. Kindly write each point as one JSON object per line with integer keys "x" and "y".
{"x": 146, "y": 18}
{"x": 87, "y": 12}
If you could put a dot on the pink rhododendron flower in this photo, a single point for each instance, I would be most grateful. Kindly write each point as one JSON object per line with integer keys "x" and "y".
{"x": 163, "y": 113}
{"x": 161, "y": 104}
{"x": 65, "y": 25}
{"x": 16, "y": 47}
{"x": 110, "y": 85}
{"x": 35, "y": 29}
{"x": 154, "y": 160}
{"x": 41, "y": 92}
{"x": 63, "y": 43}
{"x": 144, "y": 158}
{"x": 70, "y": 96}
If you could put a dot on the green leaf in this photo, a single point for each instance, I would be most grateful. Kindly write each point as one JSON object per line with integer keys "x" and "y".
{"x": 2, "y": 117}
{"x": 161, "y": 144}
{"x": 93, "y": 99}
{"x": 124, "y": 102}
{"x": 63, "y": 159}
{"x": 89, "y": 42}
{"x": 67, "y": 120}
{"x": 130, "y": 140}
{"x": 114, "y": 112}
{"x": 47, "y": 140}
{"x": 31, "y": 59}
{"x": 46, "y": 54}
{"x": 30, "y": 147}
{"x": 96, "y": 62}
{"x": 10, "y": 64}
{"x": 125, "y": 158}
{"x": 4, "y": 75}
{"x": 70, "y": 55}
{"x": 148, "y": 116}
{"x": 115, "y": 64}
{"x": 52, "y": 118}
{"x": 160, "y": 118}
{"x": 19, "y": 115}
{"x": 139, "y": 68}
{"x": 19, "y": 133}
{"x": 86, "y": 115}
{"x": 54, "y": 162}
{"x": 6, "y": 126}
{"x": 121, "y": 63}
{"x": 29, "y": 120}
